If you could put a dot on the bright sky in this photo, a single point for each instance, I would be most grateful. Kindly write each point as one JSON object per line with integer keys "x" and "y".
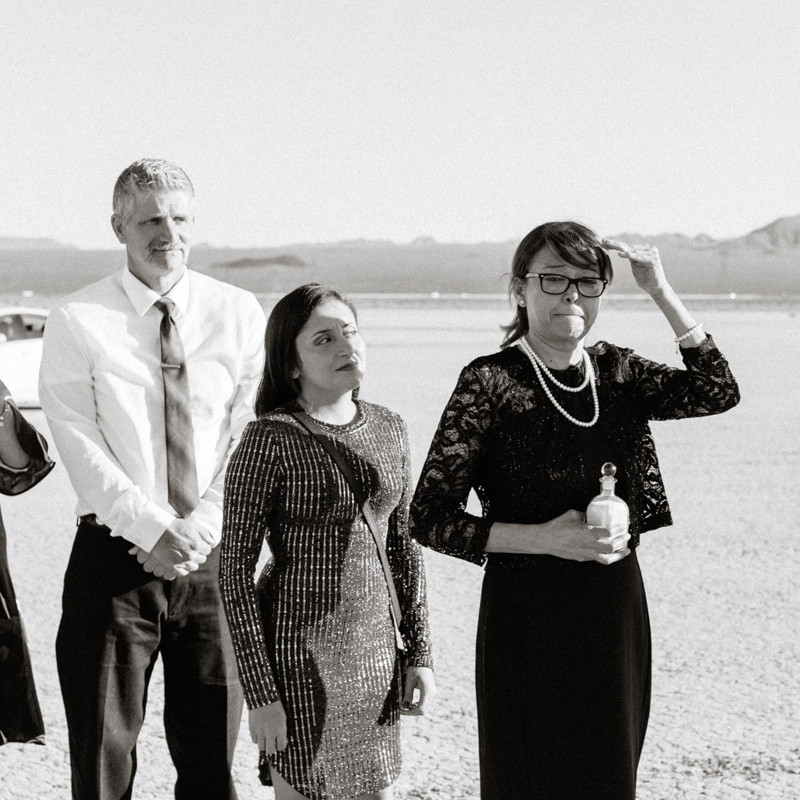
{"x": 465, "y": 120}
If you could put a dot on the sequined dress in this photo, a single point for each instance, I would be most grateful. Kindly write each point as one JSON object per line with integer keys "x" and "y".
{"x": 326, "y": 647}
{"x": 563, "y": 647}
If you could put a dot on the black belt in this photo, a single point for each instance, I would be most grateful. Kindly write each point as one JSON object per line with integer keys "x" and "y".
{"x": 91, "y": 519}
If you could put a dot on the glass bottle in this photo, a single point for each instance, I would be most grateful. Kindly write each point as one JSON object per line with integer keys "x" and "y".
{"x": 607, "y": 510}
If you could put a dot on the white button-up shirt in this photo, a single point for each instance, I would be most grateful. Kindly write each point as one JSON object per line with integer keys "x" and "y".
{"x": 102, "y": 391}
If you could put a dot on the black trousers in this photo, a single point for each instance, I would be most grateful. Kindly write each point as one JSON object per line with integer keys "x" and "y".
{"x": 116, "y": 620}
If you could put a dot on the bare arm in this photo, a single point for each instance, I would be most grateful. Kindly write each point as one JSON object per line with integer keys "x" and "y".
{"x": 567, "y": 536}
{"x": 650, "y": 277}
{"x": 11, "y": 452}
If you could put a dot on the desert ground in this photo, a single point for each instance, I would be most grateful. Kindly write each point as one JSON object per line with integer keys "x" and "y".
{"x": 723, "y": 583}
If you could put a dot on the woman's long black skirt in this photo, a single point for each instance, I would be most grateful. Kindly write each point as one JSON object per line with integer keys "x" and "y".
{"x": 563, "y": 678}
{"x": 20, "y": 715}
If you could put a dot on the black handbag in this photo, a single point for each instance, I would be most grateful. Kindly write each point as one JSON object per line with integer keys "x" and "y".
{"x": 263, "y": 769}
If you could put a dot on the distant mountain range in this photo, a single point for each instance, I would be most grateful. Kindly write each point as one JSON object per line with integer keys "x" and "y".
{"x": 781, "y": 234}
{"x": 17, "y": 243}
{"x": 765, "y": 261}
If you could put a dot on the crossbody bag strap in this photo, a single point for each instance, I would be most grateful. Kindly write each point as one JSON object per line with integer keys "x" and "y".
{"x": 310, "y": 424}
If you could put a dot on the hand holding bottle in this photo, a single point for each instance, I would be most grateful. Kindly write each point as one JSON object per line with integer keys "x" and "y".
{"x": 577, "y": 540}
{"x": 600, "y": 535}
{"x": 567, "y": 536}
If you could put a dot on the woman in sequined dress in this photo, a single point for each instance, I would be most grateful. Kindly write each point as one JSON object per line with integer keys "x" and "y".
{"x": 318, "y": 663}
{"x": 563, "y": 645}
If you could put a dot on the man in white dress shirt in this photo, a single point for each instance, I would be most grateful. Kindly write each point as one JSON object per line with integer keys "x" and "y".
{"x": 142, "y": 577}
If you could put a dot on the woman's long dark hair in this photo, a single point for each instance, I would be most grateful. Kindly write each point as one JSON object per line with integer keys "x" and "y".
{"x": 280, "y": 343}
{"x": 572, "y": 242}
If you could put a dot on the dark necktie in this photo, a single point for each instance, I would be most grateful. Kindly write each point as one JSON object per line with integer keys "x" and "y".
{"x": 181, "y": 469}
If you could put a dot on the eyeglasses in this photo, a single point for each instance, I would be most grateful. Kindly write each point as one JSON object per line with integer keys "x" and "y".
{"x": 558, "y": 284}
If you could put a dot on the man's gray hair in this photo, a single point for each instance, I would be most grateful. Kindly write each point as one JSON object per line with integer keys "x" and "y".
{"x": 148, "y": 175}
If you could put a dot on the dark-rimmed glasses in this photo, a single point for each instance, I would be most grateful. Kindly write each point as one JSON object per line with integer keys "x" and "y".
{"x": 558, "y": 284}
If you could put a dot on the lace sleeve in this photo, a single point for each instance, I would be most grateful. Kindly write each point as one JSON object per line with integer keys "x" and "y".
{"x": 704, "y": 388}
{"x": 439, "y": 518}
{"x": 251, "y": 483}
{"x": 405, "y": 557}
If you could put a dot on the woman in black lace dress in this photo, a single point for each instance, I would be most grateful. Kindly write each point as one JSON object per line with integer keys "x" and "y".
{"x": 319, "y": 664}
{"x": 563, "y": 648}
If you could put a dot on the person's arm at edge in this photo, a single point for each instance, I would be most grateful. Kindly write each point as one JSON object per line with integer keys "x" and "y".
{"x": 12, "y": 454}
{"x": 29, "y": 453}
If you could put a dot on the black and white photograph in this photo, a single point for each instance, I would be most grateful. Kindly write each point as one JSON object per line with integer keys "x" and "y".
{"x": 398, "y": 401}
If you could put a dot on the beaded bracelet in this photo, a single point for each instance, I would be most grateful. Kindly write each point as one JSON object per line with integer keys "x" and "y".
{"x": 679, "y": 339}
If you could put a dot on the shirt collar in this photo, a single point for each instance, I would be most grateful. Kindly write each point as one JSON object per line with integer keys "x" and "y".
{"x": 142, "y": 297}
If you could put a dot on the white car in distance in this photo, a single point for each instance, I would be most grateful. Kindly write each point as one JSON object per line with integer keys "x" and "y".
{"x": 21, "y": 331}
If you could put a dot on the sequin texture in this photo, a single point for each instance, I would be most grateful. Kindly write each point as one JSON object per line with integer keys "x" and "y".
{"x": 326, "y": 647}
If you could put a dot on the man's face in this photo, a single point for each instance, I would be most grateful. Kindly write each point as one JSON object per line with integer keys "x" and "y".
{"x": 157, "y": 234}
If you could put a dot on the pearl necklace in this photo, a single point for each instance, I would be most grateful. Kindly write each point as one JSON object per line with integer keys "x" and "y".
{"x": 539, "y": 366}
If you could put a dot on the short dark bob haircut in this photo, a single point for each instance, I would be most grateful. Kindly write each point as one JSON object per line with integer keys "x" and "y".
{"x": 573, "y": 243}
{"x": 287, "y": 319}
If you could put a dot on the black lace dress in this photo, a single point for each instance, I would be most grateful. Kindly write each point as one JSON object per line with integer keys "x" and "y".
{"x": 563, "y": 648}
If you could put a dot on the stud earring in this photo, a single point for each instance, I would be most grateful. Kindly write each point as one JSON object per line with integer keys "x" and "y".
{"x": 521, "y": 303}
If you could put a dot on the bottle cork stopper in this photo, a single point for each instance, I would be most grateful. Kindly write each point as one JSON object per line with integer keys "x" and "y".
{"x": 609, "y": 470}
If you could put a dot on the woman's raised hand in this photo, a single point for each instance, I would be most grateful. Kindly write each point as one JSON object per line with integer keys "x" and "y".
{"x": 645, "y": 265}
{"x": 570, "y": 537}
{"x": 268, "y": 727}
